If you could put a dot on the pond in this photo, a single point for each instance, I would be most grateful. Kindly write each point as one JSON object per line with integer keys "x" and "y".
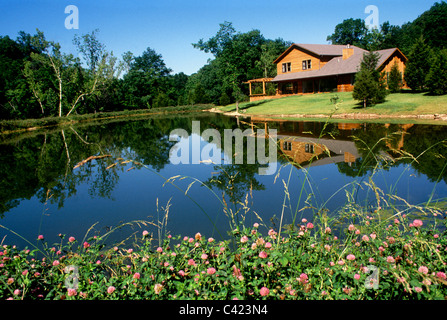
{"x": 64, "y": 181}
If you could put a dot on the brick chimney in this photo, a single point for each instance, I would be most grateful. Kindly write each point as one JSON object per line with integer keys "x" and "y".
{"x": 347, "y": 52}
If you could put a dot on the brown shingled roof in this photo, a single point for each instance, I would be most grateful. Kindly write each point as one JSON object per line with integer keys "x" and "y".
{"x": 328, "y": 49}
{"x": 319, "y": 49}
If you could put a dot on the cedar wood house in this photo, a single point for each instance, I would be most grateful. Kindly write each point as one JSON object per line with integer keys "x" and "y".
{"x": 311, "y": 68}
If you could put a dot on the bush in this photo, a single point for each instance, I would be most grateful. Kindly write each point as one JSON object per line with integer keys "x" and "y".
{"x": 224, "y": 99}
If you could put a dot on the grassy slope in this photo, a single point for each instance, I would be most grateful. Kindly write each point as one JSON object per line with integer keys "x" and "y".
{"x": 314, "y": 104}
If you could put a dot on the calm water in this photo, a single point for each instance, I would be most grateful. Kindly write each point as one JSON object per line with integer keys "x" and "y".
{"x": 43, "y": 190}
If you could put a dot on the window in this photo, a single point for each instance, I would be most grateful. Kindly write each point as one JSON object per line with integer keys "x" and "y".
{"x": 286, "y": 67}
{"x": 287, "y": 146}
{"x": 307, "y": 64}
{"x": 309, "y": 148}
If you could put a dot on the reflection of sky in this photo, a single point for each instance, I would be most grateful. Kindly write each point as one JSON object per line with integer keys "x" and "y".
{"x": 193, "y": 149}
{"x": 136, "y": 192}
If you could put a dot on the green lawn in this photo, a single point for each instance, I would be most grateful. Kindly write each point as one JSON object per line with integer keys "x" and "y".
{"x": 406, "y": 103}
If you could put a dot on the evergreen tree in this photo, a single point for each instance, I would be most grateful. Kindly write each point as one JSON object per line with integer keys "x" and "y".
{"x": 418, "y": 65}
{"x": 395, "y": 79}
{"x": 369, "y": 85}
{"x": 437, "y": 77}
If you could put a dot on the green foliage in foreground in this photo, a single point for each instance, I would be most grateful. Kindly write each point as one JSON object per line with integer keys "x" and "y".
{"x": 406, "y": 255}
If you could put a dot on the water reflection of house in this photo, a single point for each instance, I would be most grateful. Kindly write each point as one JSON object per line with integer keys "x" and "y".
{"x": 317, "y": 151}
{"x": 400, "y": 143}
{"x": 301, "y": 143}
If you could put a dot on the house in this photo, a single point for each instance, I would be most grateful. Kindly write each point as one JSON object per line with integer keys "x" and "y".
{"x": 312, "y": 68}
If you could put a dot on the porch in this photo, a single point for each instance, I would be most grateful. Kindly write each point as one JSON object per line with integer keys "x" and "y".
{"x": 259, "y": 88}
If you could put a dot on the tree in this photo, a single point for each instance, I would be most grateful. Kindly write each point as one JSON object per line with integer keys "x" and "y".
{"x": 16, "y": 100}
{"x": 418, "y": 65}
{"x": 369, "y": 85}
{"x": 238, "y": 58}
{"x": 90, "y": 48}
{"x": 373, "y": 40}
{"x": 150, "y": 62}
{"x": 437, "y": 77}
{"x": 350, "y": 31}
{"x": 209, "y": 79}
{"x": 146, "y": 79}
{"x": 270, "y": 50}
{"x": 390, "y": 35}
{"x": 127, "y": 61}
{"x": 395, "y": 79}
{"x": 217, "y": 44}
{"x": 51, "y": 57}
{"x": 433, "y": 25}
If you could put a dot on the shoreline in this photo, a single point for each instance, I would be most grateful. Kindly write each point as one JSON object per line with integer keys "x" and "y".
{"x": 438, "y": 118}
{"x": 8, "y": 127}
{"x": 37, "y": 124}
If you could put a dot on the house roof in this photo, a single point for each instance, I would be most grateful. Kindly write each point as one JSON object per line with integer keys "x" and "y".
{"x": 336, "y": 66}
{"x": 319, "y": 49}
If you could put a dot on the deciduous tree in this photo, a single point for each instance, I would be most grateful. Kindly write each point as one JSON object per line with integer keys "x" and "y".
{"x": 350, "y": 31}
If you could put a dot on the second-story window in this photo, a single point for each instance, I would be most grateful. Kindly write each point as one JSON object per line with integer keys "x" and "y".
{"x": 286, "y": 67}
{"x": 307, "y": 64}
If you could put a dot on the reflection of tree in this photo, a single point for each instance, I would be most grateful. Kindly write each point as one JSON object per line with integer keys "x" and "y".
{"x": 34, "y": 165}
{"x": 354, "y": 169}
{"x": 44, "y": 162}
{"x": 429, "y": 145}
{"x": 422, "y": 146}
{"x": 236, "y": 180}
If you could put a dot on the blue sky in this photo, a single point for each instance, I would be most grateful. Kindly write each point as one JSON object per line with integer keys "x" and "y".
{"x": 171, "y": 26}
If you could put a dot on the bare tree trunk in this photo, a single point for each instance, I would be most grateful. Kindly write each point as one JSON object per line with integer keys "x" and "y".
{"x": 81, "y": 96}
{"x": 60, "y": 96}
{"x": 59, "y": 78}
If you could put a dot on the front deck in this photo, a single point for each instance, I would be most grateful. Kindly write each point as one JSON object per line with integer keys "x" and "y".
{"x": 343, "y": 83}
